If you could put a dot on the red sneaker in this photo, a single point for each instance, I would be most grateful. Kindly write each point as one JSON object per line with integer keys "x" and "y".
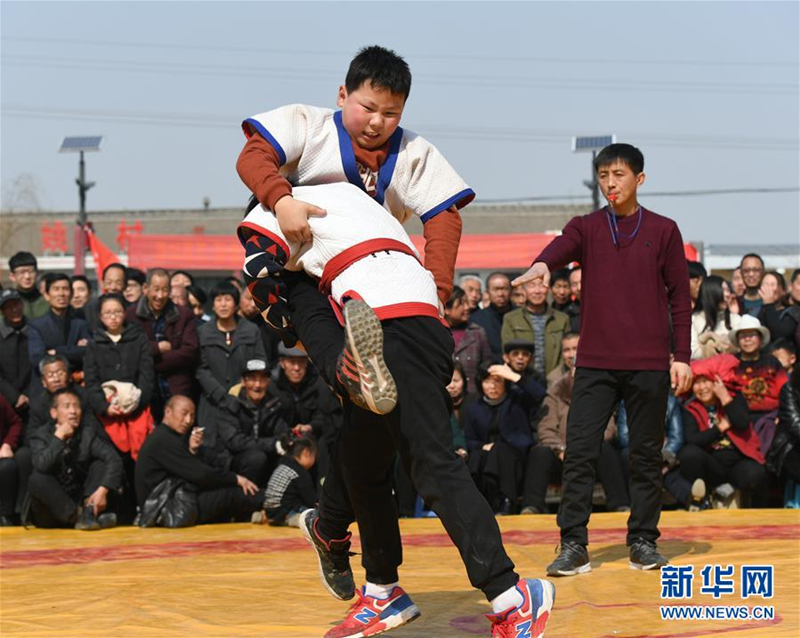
{"x": 369, "y": 616}
{"x": 530, "y": 618}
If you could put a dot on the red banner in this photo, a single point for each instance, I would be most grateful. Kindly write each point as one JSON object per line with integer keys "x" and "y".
{"x": 103, "y": 255}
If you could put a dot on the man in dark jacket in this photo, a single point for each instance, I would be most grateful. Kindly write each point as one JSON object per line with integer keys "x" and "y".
{"x": 15, "y": 364}
{"x": 75, "y": 470}
{"x": 59, "y": 331}
{"x": 221, "y": 495}
{"x": 172, "y": 334}
{"x": 491, "y": 319}
{"x": 251, "y": 439}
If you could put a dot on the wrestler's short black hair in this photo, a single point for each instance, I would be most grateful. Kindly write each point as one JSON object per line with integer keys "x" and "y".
{"x": 382, "y": 68}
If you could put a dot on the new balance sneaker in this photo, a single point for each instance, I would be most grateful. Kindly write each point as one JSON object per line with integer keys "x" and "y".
{"x": 572, "y": 559}
{"x": 333, "y": 556}
{"x": 362, "y": 370}
{"x": 644, "y": 555}
{"x": 370, "y": 616}
{"x": 530, "y": 618}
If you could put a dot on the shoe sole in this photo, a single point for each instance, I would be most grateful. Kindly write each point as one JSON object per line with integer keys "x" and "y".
{"x": 364, "y": 335}
{"x": 645, "y": 568}
{"x": 307, "y": 534}
{"x": 583, "y": 569}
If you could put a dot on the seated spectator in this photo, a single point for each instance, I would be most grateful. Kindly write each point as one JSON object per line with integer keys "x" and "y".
{"x": 518, "y": 296}
{"x": 15, "y": 364}
{"x": 10, "y": 435}
{"x": 251, "y": 435}
{"x": 562, "y": 298}
{"x": 249, "y": 311}
{"x": 569, "y": 351}
{"x": 23, "y": 269}
{"x": 134, "y": 285}
{"x": 473, "y": 289}
{"x": 59, "y": 331}
{"x": 779, "y": 316}
{"x": 784, "y": 351}
{"x": 471, "y": 343}
{"x": 81, "y": 292}
{"x": 697, "y": 274}
{"x": 197, "y": 302}
{"x": 498, "y": 433}
{"x": 721, "y": 444}
{"x": 712, "y": 320}
{"x": 181, "y": 278}
{"x": 172, "y": 335}
{"x": 517, "y": 355}
{"x": 783, "y": 457}
{"x": 491, "y": 317}
{"x": 290, "y": 491}
{"x": 170, "y": 455}
{"x": 540, "y": 324}
{"x": 75, "y": 470}
{"x": 55, "y": 376}
{"x": 752, "y": 269}
{"x": 114, "y": 280}
{"x": 546, "y": 460}
{"x": 226, "y": 345}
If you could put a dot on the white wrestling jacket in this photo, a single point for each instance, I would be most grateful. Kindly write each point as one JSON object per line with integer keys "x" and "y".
{"x": 358, "y": 247}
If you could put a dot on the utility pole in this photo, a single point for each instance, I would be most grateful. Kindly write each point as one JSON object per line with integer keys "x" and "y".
{"x": 594, "y": 144}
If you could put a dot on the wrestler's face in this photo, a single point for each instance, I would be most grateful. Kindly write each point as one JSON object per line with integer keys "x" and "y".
{"x": 370, "y": 114}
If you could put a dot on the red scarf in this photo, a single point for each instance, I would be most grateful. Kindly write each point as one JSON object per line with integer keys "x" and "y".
{"x": 745, "y": 441}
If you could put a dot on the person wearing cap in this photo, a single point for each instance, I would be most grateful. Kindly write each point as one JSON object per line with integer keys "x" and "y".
{"x": 310, "y": 405}
{"x": 517, "y": 355}
{"x": 227, "y": 343}
{"x": 721, "y": 443}
{"x": 251, "y": 434}
{"x": 23, "y": 270}
{"x": 15, "y": 365}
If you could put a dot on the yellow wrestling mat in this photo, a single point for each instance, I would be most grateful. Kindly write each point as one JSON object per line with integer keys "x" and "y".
{"x": 246, "y": 580}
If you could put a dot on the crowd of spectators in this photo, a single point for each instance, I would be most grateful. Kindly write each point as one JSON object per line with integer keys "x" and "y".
{"x": 156, "y": 401}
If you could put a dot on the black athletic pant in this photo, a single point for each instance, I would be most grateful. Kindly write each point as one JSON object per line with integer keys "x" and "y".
{"x": 418, "y": 352}
{"x": 595, "y": 395}
{"x": 255, "y": 465}
{"x": 9, "y": 482}
{"x": 726, "y": 466}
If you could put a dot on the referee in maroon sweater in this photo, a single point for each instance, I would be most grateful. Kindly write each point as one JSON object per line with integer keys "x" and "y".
{"x": 634, "y": 278}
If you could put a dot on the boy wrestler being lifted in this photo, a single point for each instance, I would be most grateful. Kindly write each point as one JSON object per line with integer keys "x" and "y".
{"x": 390, "y": 365}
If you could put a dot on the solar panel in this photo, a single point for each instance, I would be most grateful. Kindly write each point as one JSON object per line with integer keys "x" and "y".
{"x": 80, "y": 143}
{"x": 592, "y": 142}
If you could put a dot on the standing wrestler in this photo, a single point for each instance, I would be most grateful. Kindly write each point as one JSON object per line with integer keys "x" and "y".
{"x": 634, "y": 279}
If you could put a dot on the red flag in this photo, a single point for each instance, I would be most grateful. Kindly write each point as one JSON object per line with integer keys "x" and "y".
{"x": 103, "y": 256}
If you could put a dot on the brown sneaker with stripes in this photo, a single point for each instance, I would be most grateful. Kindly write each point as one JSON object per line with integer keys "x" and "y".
{"x": 362, "y": 370}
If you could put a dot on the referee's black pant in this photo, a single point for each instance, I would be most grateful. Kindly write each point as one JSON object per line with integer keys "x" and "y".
{"x": 596, "y": 394}
{"x": 358, "y": 486}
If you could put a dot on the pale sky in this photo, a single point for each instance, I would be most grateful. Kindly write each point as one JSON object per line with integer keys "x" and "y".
{"x": 708, "y": 91}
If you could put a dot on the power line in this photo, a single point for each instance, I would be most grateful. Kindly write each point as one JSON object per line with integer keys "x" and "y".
{"x": 501, "y": 134}
{"x": 644, "y": 194}
{"x": 633, "y": 60}
{"x": 485, "y": 81}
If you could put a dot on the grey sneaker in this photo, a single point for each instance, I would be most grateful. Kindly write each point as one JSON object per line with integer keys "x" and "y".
{"x": 644, "y": 555}
{"x": 572, "y": 559}
{"x": 333, "y": 556}
{"x": 361, "y": 369}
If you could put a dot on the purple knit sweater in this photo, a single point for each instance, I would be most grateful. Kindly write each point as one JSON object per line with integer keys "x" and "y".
{"x": 628, "y": 292}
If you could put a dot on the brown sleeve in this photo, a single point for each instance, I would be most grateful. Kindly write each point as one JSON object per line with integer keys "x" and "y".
{"x": 442, "y": 235}
{"x": 259, "y": 167}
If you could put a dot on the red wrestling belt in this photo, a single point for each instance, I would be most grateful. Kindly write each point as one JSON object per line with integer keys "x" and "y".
{"x": 347, "y": 258}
